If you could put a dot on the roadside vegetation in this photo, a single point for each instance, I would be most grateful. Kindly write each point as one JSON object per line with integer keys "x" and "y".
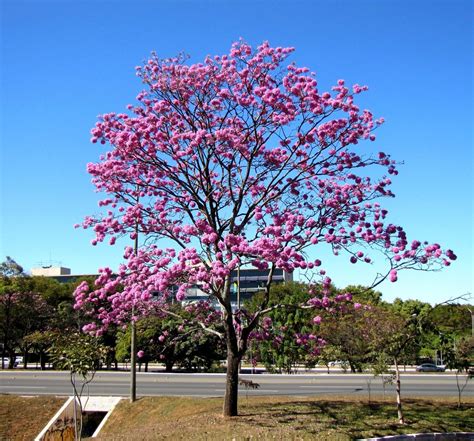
{"x": 37, "y": 320}
{"x": 326, "y": 417}
{"x": 23, "y": 418}
{"x": 289, "y": 418}
{"x": 36, "y": 311}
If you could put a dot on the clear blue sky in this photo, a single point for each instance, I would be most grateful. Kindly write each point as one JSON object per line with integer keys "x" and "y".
{"x": 65, "y": 62}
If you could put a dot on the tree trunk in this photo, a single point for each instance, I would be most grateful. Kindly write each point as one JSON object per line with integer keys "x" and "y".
{"x": 169, "y": 366}
{"x": 11, "y": 361}
{"x": 459, "y": 389}
{"x": 232, "y": 385}
{"x": 401, "y": 417}
{"x": 6, "y": 329}
{"x": 25, "y": 359}
{"x": 42, "y": 361}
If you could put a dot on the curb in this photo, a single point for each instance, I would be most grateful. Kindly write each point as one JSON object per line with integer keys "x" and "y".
{"x": 448, "y": 436}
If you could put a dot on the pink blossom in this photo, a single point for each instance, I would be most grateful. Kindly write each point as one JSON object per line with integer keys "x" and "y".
{"x": 393, "y": 276}
{"x": 238, "y": 160}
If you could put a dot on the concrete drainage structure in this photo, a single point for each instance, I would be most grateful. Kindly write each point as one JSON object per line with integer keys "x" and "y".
{"x": 61, "y": 426}
{"x": 449, "y": 436}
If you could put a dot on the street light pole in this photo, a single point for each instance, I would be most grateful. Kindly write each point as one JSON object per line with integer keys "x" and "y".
{"x": 133, "y": 360}
{"x": 238, "y": 304}
{"x": 133, "y": 339}
{"x": 238, "y": 287}
{"x": 472, "y": 321}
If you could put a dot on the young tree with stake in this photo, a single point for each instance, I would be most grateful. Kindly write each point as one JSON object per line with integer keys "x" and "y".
{"x": 240, "y": 161}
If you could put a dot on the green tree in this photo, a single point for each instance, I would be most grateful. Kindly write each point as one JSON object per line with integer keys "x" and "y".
{"x": 391, "y": 339}
{"x": 281, "y": 348}
{"x": 330, "y": 354}
{"x": 401, "y": 329}
{"x": 52, "y": 291}
{"x": 22, "y": 310}
{"x": 11, "y": 281}
{"x": 82, "y": 355}
{"x": 410, "y": 307}
{"x": 174, "y": 339}
{"x": 40, "y": 342}
{"x": 31, "y": 314}
{"x": 349, "y": 333}
{"x": 60, "y": 297}
{"x": 453, "y": 320}
{"x": 461, "y": 358}
{"x": 363, "y": 294}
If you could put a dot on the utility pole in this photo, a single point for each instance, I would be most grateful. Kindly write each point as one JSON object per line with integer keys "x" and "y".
{"x": 472, "y": 321}
{"x": 238, "y": 287}
{"x": 133, "y": 360}
{"x": 238, "y": 303}
{"x": 133, "y": 338}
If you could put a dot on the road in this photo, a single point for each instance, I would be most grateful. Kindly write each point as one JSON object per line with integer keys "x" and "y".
{"x": 150, "y": 384}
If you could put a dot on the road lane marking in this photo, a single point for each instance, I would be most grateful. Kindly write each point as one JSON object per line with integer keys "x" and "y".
{"x": 23, "y": 387}
{"x": 251, "y": 390}
{"x": 329, "y": 386}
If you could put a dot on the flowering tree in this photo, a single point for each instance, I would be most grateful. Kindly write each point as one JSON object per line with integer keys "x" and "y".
{"x": 239, "y": 160}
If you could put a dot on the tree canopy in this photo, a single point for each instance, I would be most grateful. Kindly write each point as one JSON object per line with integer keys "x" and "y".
{"x": 239, "y": 160}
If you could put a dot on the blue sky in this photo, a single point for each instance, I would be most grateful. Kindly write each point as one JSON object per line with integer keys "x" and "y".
{"x": 65, "y": 62}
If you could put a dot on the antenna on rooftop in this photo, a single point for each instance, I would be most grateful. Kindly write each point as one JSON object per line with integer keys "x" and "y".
{"x": 48, "y": 263}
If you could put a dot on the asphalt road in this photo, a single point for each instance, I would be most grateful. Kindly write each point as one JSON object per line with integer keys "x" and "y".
{"x": 149, "y": 384}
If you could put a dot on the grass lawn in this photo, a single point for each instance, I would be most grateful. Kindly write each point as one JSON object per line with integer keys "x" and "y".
{"x": 23, "y": 418}
{"x": 283, "y": 418}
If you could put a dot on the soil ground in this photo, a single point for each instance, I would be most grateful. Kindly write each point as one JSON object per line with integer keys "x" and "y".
{"x": 23, "y": 418}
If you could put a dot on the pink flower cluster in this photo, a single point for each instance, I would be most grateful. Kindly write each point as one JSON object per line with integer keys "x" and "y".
{"x": 239, "y": 160}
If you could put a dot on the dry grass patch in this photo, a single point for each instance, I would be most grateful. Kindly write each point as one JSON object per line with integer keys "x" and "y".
{"x": 23, "y": 418}
{"x": 282, "y": 418}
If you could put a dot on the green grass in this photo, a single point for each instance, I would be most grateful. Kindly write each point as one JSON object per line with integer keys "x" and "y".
{"x": 263, "y": 418}
{"x": 287, "y": 418}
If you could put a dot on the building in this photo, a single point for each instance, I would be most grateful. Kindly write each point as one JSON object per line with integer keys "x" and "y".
{"x": 59, "y": 273}
{"x": 249, "y": 280}
{"x": 50, "y": 271}
{"x": 245, "y": 282}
